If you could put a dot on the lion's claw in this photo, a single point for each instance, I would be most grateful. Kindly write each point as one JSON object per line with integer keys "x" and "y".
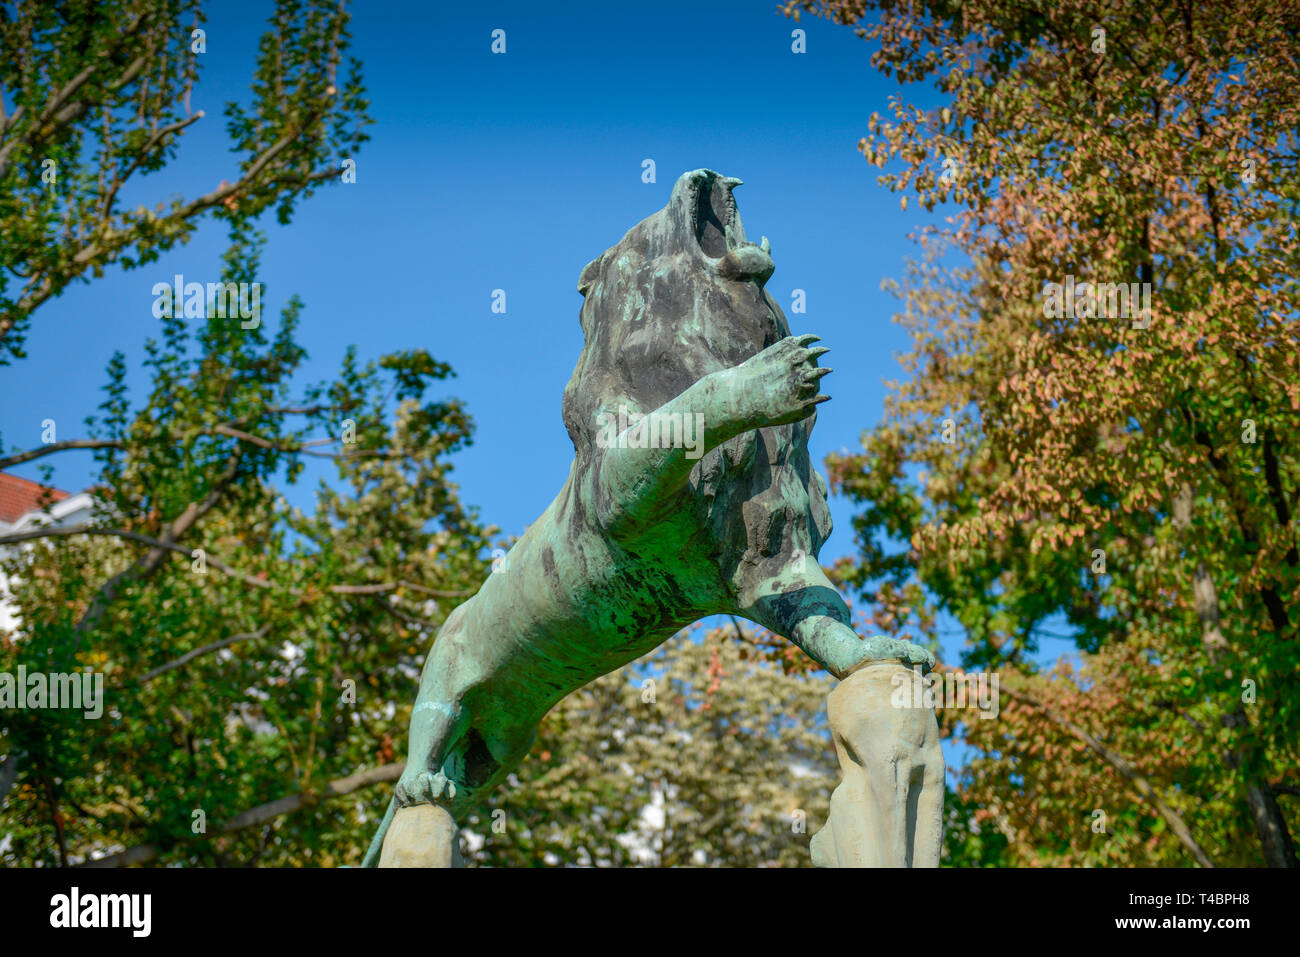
{"x": 781, "y": 383}
{"x": 425, "y": 787}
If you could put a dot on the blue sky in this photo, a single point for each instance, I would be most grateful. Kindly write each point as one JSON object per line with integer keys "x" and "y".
{"x": 513, "y": 171}
{"x": 488, "y": 171}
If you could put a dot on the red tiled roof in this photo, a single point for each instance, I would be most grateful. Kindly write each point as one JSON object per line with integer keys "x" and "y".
{"x": 19, "y": 496}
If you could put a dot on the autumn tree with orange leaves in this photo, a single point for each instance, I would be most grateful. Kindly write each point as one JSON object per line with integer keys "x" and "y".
{"x": 1129, "y": 475}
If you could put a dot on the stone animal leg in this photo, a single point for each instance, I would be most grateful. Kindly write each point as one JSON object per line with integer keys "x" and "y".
{"x": 638, "y": 477}
{"x": 436, "y": 723}
{"x": 810, "y": 612}
{"x": 888, "y": 809}
{"x": 419, "y": 829}
{"x": 466, "y": 763}
{"x": 439, "y": 718}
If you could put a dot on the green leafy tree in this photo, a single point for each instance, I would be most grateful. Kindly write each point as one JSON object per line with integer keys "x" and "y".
{"x": 1132, "y": 474}
{"x": 95, "y": 95}
{"x": 255, "y": 657}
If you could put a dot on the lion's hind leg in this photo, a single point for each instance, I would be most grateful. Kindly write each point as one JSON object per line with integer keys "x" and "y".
{"x": 440, "y": 717}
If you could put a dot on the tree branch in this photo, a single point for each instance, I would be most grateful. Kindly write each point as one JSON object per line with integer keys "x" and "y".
{"x": 1122, "y": 765}
{"x": 226, "y": 429}
{"x": 139, "y": 158}
{"x": 110, "y": 242}
{"x": 66, "y": 531}
{"x": 199, "y": 652}
{"x": 154, "y": 558}
{"x": 58, "y": 110}
{"x": 36, "y": 453}
{"x": 144, "y": 853}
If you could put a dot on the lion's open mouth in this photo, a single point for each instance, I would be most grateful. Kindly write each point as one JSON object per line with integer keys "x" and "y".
{"x": 713, "y": 215}
{"x": 716, "y": 224}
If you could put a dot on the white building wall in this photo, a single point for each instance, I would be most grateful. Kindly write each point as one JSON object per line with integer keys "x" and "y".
{"x": 73, "y": 510}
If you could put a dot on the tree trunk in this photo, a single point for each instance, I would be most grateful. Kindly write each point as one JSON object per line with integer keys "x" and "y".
{"x": 1270, "y": 824}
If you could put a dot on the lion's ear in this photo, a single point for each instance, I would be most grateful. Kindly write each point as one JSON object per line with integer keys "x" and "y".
{"x": 588, "y": 274}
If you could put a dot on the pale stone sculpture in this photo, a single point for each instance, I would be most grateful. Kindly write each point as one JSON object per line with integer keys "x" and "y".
{"x": 708, "y": 505}
{"x": 422, "y": 835}
{"x": 888, "y": 809}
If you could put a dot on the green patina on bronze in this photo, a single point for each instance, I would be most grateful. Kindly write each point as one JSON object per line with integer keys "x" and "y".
{"x": 641, "y": 542}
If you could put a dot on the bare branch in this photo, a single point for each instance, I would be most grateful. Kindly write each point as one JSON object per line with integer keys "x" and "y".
{"x": 65, "y": 531}
{"x": 435, "y": 592}
{"x": 268, "y": 444}
{"x": 226, "y": 429}
{"x": 199, "y": 652}
{"x": 52, "y": 447}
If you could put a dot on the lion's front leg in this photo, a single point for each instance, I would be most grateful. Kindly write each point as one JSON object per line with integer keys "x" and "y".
{"x": 796, "y": 600}
{"x": 438, "y": 719}
{"x": 640, "y": 471}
